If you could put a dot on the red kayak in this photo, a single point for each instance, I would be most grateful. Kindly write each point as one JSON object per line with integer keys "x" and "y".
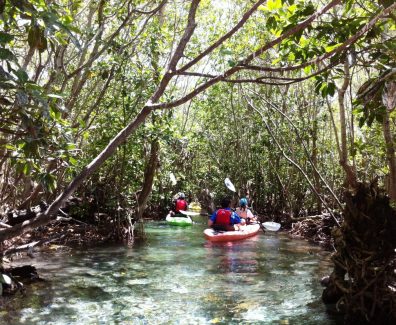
{"x": 245, "y": 232}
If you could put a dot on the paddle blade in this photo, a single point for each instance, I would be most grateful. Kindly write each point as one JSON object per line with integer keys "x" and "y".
{"x": 272, "y": 226}
{"x": 173, "y": 179}
{"x": 189, "y": 213}
{"x": 229, "y": 185}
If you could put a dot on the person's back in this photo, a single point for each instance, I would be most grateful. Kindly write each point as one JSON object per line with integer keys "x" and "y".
{"x": 180, "y": 205}
{"x": 224, "y": 219}
{"x": 244, "y": 212}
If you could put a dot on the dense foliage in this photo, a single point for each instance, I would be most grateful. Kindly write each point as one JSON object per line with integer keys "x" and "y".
{"x": 293, "y": 100}
{"x": 74, "y": 74}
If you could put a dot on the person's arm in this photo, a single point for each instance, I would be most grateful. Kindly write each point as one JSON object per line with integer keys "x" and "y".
{"x": 186, "y": 204}
{"x": 250, "y": 215}
{"x": 235, "y": 219}
{"x": 212, "y": 219}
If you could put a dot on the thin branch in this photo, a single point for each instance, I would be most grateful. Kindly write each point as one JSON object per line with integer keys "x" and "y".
{"x": 260, "y": 80}
{"x": 188, "y": 32}
{"x": 291, "y": 160}
{"x": 222, "y": 39}
{"x": 104, "y": 47}
{"x": 274, "y": 107}
{"x": 151, "y": 12}
{"x": 248, "y": 59}
{"x": 29, "y": 247}
{"x": 327, "y": 55}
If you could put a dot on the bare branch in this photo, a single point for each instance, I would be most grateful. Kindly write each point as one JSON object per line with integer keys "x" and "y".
{"x": 191, "y": 24}
{"x": 295, "y": 164}
{"x": 106, "y": 45}
{"x": 296, "y": 131}
{"x": 261, "y": 79}
{"x": 189, "y": 30}
{"x": 151, "y": 12}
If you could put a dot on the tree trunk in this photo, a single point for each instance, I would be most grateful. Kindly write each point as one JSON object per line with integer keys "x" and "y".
{"x": 350, "y": 173}
{"x": 314, "y": 159}
{"x": 389, "y": 99}
{"x": 149, "y": 173}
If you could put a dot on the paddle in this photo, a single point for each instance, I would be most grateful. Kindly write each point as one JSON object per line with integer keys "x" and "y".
{"x": 189, "y": 213}
{"x": 229, "y": 185}
{"x": 270, "y": 225}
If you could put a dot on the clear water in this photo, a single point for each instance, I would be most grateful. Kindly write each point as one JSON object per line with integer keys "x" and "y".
{"x": 177, "y": 277}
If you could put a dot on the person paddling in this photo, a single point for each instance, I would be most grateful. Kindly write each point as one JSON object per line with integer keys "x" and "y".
{"x": 225, "y": 219}
{"x": 180, "y": 205}
{"x": 244, "y": 212}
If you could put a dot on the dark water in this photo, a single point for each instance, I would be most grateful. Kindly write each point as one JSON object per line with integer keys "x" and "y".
{"x": 177, "y": 277}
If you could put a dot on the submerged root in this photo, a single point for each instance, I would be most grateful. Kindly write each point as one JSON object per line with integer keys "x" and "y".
{"x": 317, "y": 230}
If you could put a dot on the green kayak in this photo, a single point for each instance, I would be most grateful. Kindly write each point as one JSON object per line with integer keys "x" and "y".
{"x": 179, "y": 220}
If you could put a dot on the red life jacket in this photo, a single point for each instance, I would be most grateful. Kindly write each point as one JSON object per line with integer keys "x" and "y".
{"x": 181, "y": 205}
{"x": 223, "y": 217}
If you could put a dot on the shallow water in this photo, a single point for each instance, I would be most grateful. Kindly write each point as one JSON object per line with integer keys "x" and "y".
{"x": 177, "y": 277}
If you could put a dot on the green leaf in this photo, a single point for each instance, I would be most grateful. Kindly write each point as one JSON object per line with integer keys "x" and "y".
{"x": 308, "y": 10}
{"x": 32, "y": 86}
{"x": 5, "y": 37}
{"x": 26, "y": 168}
{"x": 72, "y": 161}
{"x": 22, "y": 75}
{"x": 331, "y": 87}
{"x": 232, "y": 63}
{"x": 308, "y": 69}
{"x": 274, "y": 4}
{"x": 276, "y": 61}
{"x": 370, "y": 120}
{"x": 49, "y": 182}
{"x": 55, "y": 96}
{"x": 331, "y": 47}
{"x": 225, "y": 51}
{"x": 10, "y": 147}
{"x": 348, "y": 5}
{"x": 7, "y": 85}
{"x": 6, "y": 55}
{"x": 271, "y": 22}
{"x": 71, "y": 146}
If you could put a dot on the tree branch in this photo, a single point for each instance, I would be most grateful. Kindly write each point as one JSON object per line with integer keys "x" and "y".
{"x": 191, "y": 24}
{"x": 248, "y": 59}
{"x": 299, "y": 168}
{"x": 327, "y": 55}
{"x": 222, "y": 39}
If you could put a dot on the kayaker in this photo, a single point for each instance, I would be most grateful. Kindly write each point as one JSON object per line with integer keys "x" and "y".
{"x": 244, "y": 212}
{"x": 225, "y": 219}
{"x": 180, "y": 205}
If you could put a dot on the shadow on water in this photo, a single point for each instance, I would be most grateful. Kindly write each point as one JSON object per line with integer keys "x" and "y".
{"x": 177, "y": 277}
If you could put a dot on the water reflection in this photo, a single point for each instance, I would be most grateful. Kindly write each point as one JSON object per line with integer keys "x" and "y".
{"x": 178, "y": 277}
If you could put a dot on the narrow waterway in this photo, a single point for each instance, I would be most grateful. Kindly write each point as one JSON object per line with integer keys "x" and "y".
{"x": 177, "y": 277}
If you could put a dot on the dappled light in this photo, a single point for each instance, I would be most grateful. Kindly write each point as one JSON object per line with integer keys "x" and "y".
{"x": 171, "y": 134}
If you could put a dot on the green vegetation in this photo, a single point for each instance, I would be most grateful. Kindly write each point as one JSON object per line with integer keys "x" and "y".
{"x": 292, "y": 99}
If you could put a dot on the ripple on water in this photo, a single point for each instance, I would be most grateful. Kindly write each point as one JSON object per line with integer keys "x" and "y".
{"x": 177, "y": 277}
